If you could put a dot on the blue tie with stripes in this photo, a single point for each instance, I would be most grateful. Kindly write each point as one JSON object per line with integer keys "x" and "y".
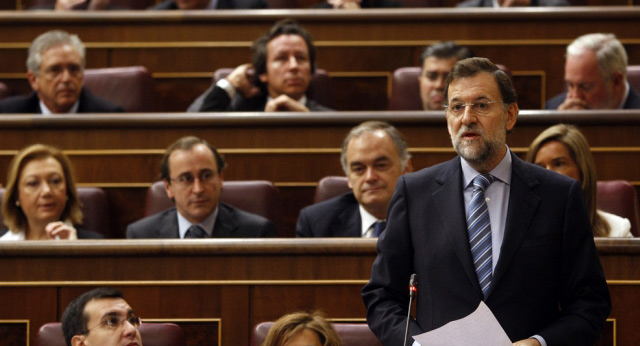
{"x": 479, "y": 229}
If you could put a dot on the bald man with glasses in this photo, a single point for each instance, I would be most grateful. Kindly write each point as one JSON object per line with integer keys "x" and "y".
{"x": 192, "y": 171}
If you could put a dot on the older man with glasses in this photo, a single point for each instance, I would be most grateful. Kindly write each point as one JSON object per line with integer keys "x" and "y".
{"x": 192, "y": 172}
{"x": 56, "y": 74}
{"x": 100, "y": 317}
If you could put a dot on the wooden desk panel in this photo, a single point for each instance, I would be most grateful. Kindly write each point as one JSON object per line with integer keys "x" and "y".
{"x": 234, "y": 284}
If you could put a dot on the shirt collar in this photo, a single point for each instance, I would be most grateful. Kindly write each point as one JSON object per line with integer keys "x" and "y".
{"x": 207, "y": 224}
{"x": 626, "y": 95}
{"x": 367, "y": 220}
{"x": 47, "y": 111}
{"x": 502, "y": 171}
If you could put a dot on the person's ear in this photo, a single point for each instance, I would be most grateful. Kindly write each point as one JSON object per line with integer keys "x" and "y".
{"x": 78, "y": 340}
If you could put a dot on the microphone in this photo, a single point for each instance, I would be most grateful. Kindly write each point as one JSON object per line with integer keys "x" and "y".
{"x": 413, "y": 289}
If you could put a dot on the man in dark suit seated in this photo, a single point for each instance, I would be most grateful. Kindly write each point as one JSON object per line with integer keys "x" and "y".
{"x": 283, "y": 62}
{"x": 55, "y": 71}
{"x": 595, "y": 72}
{"x": 209, "y": 5}
{"x": 374, "y": 155}
{"x": 487, "y": 226}
{"x": 437, "y": 61}
{"x": 192, "y": 172}
{"x": 100, "y": 317}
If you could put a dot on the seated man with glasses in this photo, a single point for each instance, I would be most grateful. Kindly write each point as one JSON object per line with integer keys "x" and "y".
{"x": 100, "y": 317}
{"x": 192, "y": 172}
{"x": 56, "y": 73}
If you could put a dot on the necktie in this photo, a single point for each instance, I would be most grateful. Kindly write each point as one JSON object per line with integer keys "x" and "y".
{"x": 195, "y": 231}
{"x": 378, "y": 228}
{"x": 479, "y": 229}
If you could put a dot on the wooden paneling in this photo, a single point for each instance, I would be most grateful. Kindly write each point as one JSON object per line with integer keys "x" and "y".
{"x": 234, "y": 284}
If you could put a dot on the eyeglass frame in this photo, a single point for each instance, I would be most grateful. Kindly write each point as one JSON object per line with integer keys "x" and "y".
{"x": 183, "y": 179}
{"x": 472, "y": 104}
{"x": 136, "y": 324}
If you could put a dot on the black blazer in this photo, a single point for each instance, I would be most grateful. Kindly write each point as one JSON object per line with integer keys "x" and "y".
{"x": 336, "y": 217}
{"x": 230, "y": 223}
{"x": 215, "y": 99}
{"x": 548, "y": 280}
{"x": 222, "y": 5}
{"x": 632, "y": 102}
{"x": 89, "y": 103}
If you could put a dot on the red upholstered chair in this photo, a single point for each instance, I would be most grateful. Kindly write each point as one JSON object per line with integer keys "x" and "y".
{"x": 405, "y": 88}
{"x": 319, "y": 89}
{"x": 152, "y": 334}
{"x": 329, "y": 187}
{"x": 352, "y": 334}
{"x": 131, "y": 87}
{"x": 633, "y": 76}
{"x": 4, "y": 90}
{"x": 619, "y": 197}
{"x": 95, "y": 208}
{"x": 255, "y": 196}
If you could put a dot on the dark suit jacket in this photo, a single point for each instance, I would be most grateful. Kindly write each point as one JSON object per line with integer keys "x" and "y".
{"x": 336, "y": 217}
{"x": 222, "y": 5}
{"x": 632, "y": 102}
{"x": 215, "y": 99}
{"x": 82, "y": 233}
{"x": 548, "y": 280}
{"x": 89, "y": 103}
{"x": 534, "y": 3}
{"x": 231, "y": 223}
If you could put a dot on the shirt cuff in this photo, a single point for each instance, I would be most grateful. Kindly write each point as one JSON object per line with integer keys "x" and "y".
{"x": 227, "y": 87}
{"x": 540, "y": 339}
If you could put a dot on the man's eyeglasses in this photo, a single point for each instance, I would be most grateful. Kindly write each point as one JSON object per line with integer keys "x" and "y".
{"x": 115, "y": 322}
{"x": 478, "y": 107}
{"x": 55, "y": 71}
{"x": 186, "y": 180}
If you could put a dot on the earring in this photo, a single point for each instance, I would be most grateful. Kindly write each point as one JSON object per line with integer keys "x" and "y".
{"x": 17, "y": 203}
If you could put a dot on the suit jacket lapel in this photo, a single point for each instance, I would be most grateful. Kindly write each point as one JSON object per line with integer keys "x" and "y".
{"x": 169, "y": 224}
{"x": 523, "y": 204}
{"x": 226, "y": 222}
{"x": 450, "y": 203}
{"x": 349, "y": 224}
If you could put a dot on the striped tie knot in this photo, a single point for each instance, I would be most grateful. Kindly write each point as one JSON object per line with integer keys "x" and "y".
{"x": 482, "y": 181}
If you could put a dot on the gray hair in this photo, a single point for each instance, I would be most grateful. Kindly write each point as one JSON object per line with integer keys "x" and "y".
{"x": 610, "y": 53}
{"x": 48, "y": 40}
{"x": 373, "y": 126}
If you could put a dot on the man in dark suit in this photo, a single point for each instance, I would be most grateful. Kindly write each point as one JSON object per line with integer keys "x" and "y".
{"x": 278, "y": 79}
{"x": 55, "y": 71}
{"x": 487, "y": 226}
{"x": 209, "y": 4}
{"x": 595, "y": 73}
{"x": 374, "y": 155}
{"x": 192, "y": 172}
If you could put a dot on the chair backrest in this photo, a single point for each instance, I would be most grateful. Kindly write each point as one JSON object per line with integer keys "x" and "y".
{"x": 95, "y": 209}
{"x": 152, "y": 334}
{"x": 633, "y": 76}
{"x": 4, "y": 90}
{"x": 320, "y": 89}
{"x": 405, "y": 88}
{"x": 619, "y": 197}
{"x": 352, "y": 334}
{"x": 329, "y": 187}
{"x": 131, "y": 87}
{"x": 259, "y": 197}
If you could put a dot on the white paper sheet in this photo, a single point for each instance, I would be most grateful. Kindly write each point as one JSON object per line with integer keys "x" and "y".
{"x": 480, "y": 328}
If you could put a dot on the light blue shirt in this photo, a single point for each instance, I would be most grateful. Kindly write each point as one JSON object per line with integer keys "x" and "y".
{"x": 207, "y": 224}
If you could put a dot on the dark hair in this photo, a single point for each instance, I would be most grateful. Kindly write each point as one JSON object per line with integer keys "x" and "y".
{"x": 289, "y": 325}
{"x": 282, "y": 27}
{"x": 471, "y": 67}
{"x": 186, "y": 143}
{"x": 74, "y": 320}
{"x": 446, "y": 50}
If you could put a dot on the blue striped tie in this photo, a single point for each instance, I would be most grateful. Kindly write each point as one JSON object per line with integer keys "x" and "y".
{"x": 480, "y": 231}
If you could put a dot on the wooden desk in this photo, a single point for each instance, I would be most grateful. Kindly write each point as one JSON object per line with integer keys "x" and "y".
{"x": 359, "y": 49}
{"x": 218, "y": 289}
{"x": 122, "y": 153}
